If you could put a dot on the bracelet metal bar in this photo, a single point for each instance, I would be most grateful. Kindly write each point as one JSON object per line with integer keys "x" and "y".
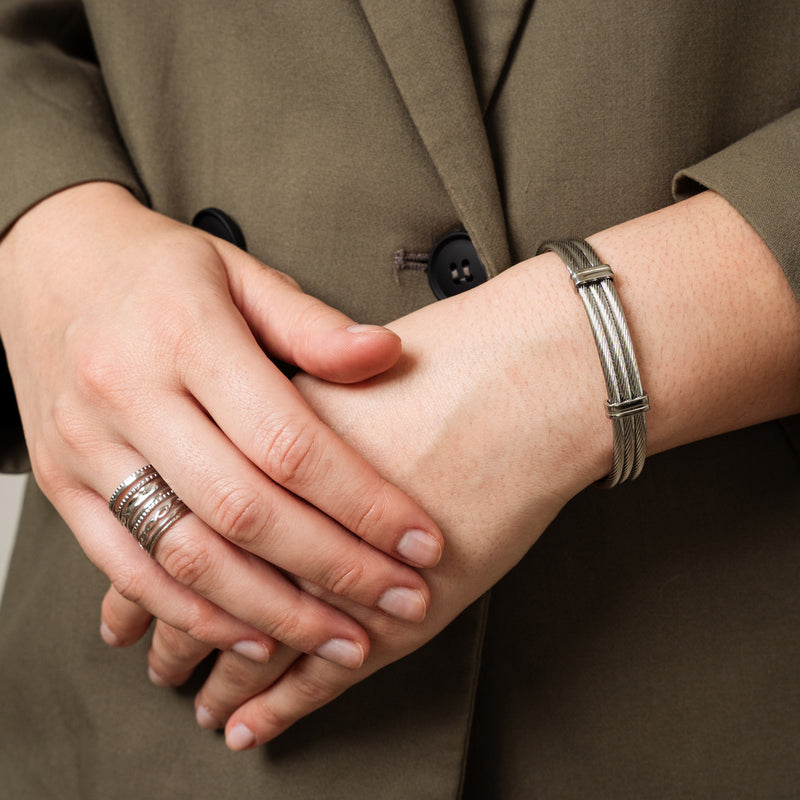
{"x": 627, "y": 401}
{"x": 591, "y": 274}
{"x": 625, "y": 408}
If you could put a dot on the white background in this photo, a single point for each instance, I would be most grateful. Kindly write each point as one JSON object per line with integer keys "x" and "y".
{"x": 11, "y": 487}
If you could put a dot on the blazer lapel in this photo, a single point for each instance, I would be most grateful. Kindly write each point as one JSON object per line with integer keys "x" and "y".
{"x": 423, "y": 47}
{"x": 490, "y": 32}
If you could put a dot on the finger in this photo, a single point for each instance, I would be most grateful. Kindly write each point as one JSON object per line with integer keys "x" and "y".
{"x": 303, "y": 330}
{"x": 215, "y": 575}
{"x": 267, "y": 419}
{"x": 122, "y": 622}
{"x": 125, "y": 622}
{"x": 236, "y": 499}
{"x": 173, "y": 655}
{"x": 308, "y": 685}
{"x": 141, "y": 590}
{"x": 233, "y": 681}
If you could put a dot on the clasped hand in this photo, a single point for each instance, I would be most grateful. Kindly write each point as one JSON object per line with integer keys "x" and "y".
{"x": 440, "y": 424}
{"x": 120, "y": 342}
{"x": 133, "y": 339}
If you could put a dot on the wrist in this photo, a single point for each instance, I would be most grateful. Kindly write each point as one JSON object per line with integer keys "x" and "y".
{"x": 712, "y": 317}
{"x": 54, "y": 213}
{"x": 559, "y": 386}
{"x": 59, "y": 230}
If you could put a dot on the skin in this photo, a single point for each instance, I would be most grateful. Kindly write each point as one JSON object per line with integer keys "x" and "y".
{"x": 521, "y": 423}
{"x": 118, "y": 324}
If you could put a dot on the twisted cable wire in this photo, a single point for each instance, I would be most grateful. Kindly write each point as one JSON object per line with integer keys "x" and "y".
{"x": 607, "y": 362}
{"x": 638, "y": 421}
{"x": 627, "y": 402}
{"x": 627, "y": 423}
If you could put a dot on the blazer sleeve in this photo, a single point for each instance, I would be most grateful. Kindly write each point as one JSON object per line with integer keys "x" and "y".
{"x": 760, "y": 177}
{"x": 57, "y": 129}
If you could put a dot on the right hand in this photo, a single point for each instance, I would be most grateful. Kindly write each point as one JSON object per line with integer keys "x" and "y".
{"x": 134, "y": 339}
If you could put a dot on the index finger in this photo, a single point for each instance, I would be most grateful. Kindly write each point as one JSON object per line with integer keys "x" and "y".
{"x": 268, "y": 420}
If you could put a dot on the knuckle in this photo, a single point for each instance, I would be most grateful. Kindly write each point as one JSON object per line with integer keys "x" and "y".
{"x": 292, "y": 453}
{"x": 287, "y": 626}
{"x": 98, "y": 373}
{"x": 383, "y": 628}
{"x": 312, "y": 315}
{"x": 272, "y": 720}
{"x": 179, "y": 645}
{"x": 315, "y": 689}
{"x": 201, "y": 623}
{"x": 346, "y": 578}
{"x": 72, "y": 428}
{"x": 239, "y": 674}
{"x": 130, "y": 585}
{"x": 284, "y": 278}
{"x": 47, "y": 470}
{"x": 239, "y": 515}
{"x": 187, "y": 566}
{"x": 186, "y": 340}
{"x": 375, "y": 514}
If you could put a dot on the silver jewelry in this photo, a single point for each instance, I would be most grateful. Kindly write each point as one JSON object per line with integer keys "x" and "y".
{"x": 146, "y": 506}
{"x": 627, "y": 401}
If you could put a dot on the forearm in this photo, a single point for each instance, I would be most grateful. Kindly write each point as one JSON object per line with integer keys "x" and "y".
{"x": 500, "y": 395}
{"x": 713, "y": 319}
{"x": 494, "y": 417}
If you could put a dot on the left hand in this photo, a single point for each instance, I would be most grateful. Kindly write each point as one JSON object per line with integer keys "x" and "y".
{"x": 133, "y": 339}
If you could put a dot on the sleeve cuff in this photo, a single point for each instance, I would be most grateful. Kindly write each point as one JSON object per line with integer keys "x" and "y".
{"x": 760, "y": 177}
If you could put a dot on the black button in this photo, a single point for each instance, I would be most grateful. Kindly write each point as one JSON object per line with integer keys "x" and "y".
{"x": 454, "y": 266}
{"x": 218, "y": 223}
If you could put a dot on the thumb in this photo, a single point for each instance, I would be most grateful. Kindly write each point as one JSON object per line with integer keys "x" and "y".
{"x": 302, "y": 330}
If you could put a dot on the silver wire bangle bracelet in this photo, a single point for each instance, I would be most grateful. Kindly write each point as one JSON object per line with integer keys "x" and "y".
{"x": 627, "y": 401}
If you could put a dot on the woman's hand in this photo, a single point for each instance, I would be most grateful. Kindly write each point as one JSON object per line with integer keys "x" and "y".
{"x": 133, "y": 339}
{"x": 494, "y": 419}
{"x": 452, "y": 423}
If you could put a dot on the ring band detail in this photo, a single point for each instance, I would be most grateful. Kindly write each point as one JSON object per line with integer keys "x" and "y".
{"x": 627, "y": 401}
{"x": 147, "y": 506}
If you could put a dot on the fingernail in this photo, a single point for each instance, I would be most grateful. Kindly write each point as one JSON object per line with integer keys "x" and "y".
{"x": 157, "y": 679}
{"x": 205, "y": 719}
{"x": 108, "y": 636}
{"x": 404, "y": 603}
{"x": 343, "y": 652}
{"x": 420, "y": 547}
{"x": 240, "y": 737}
{"x": 255, "y": 651}
{"x": 367, "y": 329}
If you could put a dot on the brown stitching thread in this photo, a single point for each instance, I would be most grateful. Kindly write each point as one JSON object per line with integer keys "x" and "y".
{"x": 408, "y": 260}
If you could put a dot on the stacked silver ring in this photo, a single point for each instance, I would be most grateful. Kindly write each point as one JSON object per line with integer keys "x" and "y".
{"x": 146, "y": 506}
{"x": 627, "y": 401}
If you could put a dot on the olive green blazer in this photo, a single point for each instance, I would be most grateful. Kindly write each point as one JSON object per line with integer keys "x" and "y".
{"x": 649, "y": 644}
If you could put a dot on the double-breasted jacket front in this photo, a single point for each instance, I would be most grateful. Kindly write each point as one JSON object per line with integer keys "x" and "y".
{"x": 659, "y": 647}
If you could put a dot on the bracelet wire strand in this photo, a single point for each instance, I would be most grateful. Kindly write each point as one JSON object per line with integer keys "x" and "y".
{"x": 627, "y": 401}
